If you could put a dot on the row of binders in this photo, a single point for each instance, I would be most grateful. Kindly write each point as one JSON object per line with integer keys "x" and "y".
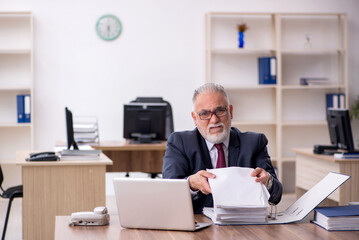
{"x": 23, "y": 102}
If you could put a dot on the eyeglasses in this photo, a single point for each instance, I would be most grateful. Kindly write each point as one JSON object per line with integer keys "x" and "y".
{"x": 219, "y": 112}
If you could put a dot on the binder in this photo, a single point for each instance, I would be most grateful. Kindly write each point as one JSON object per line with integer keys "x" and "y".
{"x": 27, "y": 108}
{"x": 20, "y": 108}
{"x": 335, "y": 100}
{"x": 302, "y": 207}
{"x": 337, "y": 218}
{"x": 267, "y": 70}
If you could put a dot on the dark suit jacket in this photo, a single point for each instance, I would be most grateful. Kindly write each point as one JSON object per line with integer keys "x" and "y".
{"x": 187, "y": 153}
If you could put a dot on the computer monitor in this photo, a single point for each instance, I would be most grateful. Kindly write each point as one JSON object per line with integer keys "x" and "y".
{"x": 145, "y": 122}
{"x": 340, "y": 130}
{"x": 70, "y": 130}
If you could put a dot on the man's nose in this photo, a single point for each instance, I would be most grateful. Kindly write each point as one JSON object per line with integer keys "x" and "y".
{"x": 214, "y": 118}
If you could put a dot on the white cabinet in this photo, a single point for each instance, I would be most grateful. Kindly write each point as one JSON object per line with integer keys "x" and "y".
{"x": 16, "y": 77}
{"x": 305, "y": 45}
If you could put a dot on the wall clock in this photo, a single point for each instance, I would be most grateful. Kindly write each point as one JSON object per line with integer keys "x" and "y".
{"x": 108, "y": 27}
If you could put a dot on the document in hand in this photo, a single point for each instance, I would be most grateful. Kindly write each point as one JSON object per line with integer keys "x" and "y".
{"x": 299, "y": 209}
{"x": 237, "y": 197}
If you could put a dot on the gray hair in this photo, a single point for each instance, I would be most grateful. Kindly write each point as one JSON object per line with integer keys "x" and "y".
{"x": 207, "y": 88}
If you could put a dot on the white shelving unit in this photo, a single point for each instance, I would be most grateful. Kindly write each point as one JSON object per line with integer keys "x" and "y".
{"x": 291, "y": 115}
{"x": 16, "y": 77}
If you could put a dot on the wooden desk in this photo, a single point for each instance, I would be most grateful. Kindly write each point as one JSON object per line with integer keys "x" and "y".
{"x": 128, "y": 157}
{"x": 311, "y": 168}
{"x": 59, "y": 188}
{"x": 291, "y": 231}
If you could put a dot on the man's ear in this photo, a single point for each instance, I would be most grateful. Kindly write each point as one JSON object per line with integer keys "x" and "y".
{"x": 194, "y": 118}
{"x": 231, "y": 110}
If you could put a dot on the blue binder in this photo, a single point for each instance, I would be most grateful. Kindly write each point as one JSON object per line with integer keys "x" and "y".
{"x": 20, "y": 108}
{"x": 27, "y": 108}
{"x": 267, "y": 70}
{"x": 335, "y": 100}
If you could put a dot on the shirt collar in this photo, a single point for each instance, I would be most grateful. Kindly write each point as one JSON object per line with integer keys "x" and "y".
{"x": 210, "y": 145}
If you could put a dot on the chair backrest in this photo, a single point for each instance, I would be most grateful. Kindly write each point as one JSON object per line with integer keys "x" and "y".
{"x": 169, "y": 116}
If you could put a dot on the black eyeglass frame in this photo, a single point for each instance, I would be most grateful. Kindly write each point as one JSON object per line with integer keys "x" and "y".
{"x": 215, "y": 112}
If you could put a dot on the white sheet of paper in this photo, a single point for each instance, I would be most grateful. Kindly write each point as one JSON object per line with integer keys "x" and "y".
{"x": 234, "y": 187}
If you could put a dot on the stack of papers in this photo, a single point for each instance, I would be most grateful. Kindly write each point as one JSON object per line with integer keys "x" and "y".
{"x": 337, "y": 218}
{"x": 79, "y": 154}
{"x": 237, "y": 197}
{"x": 86, "y": 130}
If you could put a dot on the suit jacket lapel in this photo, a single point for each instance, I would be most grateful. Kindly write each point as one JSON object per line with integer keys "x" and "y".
{"x": 233, "y": 150}
{"x": 204, "y": 150}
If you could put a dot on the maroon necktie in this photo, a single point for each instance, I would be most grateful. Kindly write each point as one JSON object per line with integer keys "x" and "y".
{"x": 221, "y": 162}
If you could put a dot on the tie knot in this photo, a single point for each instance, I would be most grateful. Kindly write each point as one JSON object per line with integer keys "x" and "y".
{"x": 218, "y": 146}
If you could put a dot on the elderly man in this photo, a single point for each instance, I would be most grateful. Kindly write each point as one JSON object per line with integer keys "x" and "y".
{"x": 215, "y": 144}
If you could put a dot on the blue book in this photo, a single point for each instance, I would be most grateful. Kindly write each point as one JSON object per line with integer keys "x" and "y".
{"x": 267, "y": 70}
{"x": 335, "y": 100}
{"x": 337, "y": 218}
{"x": 20, "y": 108}
{"x": 27, "y": 108}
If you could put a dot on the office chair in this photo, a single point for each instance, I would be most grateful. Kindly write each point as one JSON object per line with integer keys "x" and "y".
{"x": 10, "y": 193}
{"x": 169, "y": 117}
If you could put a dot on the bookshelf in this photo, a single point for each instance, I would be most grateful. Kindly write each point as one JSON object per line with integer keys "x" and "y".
{"x": 16, "y": 77}
{"x": 291, "y": 115}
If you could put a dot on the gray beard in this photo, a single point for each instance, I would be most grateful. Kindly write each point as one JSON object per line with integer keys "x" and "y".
{"x": 217, "y": 138}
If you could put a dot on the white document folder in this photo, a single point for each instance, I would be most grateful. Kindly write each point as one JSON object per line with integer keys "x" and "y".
{"x": 304, "y": 205}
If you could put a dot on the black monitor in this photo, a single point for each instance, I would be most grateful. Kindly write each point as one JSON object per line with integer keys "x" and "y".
{"x": 70, "y": 130}
{"x": 340, "y": 130}
{"x": 145, "y": 122}
{"x": 340, "y": 133}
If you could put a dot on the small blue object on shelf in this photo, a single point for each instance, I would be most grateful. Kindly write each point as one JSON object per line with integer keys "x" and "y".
{"x": 267, "y": 70}
{"x": 240, "y": 39}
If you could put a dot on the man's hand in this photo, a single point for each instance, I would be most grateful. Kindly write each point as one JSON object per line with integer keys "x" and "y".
{"x": 262, "y": 175}
{"x": 199, "y": 181}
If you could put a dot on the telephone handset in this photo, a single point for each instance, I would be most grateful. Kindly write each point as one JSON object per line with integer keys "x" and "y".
{"x": 43, "y": 156}
{"x": 98, "y": 217}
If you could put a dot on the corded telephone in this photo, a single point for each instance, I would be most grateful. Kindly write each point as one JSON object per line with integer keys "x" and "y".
{"x": 98, "y": 217}
{"x": 43, "y": 156}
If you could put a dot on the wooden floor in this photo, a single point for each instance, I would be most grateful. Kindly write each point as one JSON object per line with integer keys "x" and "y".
{"x": 14, "y": 228}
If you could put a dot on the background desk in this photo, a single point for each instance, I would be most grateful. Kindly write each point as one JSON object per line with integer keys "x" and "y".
{"x": 128, "y": 157}
{"x": 59, "y": 188}
{"x": 291, "y": 231}
{"x": 311, "y": 168}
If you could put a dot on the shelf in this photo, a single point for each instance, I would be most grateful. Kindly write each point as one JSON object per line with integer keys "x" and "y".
{"x": 15, "y": 51}
{"x": 304, "y": 87}
{"x": 243, "y": 51}
{"x": 304, "y": 123}
{"x": 311, "y": 51}
{"x": 15, "y": 125}
{"x": 254, "y": 87}
{"x": 253, "y": 123}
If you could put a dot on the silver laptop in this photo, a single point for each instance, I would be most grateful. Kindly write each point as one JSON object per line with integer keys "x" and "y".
{"x": 155, "y": 204}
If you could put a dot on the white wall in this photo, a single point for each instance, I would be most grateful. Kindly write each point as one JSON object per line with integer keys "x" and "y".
{"x": 159, "y": 53}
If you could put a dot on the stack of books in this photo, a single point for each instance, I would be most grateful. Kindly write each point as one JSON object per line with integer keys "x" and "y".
{"x": 337, "y": 218}
{"x": 237, "y": 203}
{"x": 80, "y": 154}
{"x": 86, "y": 130}
{"x": 347, "y": 155}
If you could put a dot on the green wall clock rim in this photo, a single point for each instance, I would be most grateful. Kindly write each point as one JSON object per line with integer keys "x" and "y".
{"x": 116, "y": 19}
